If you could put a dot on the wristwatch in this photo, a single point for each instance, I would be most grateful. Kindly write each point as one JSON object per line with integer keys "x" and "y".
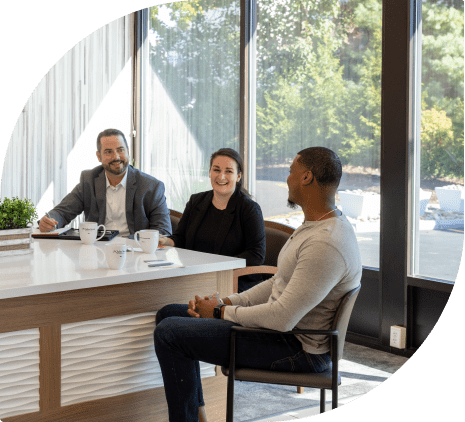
{"x": 217, "y": 311}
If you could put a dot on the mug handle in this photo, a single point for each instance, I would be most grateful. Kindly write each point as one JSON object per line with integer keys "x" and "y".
{"x": 104, "y": 257}
{"x": 135, "y": 238}
{"x": 104, "y": 229}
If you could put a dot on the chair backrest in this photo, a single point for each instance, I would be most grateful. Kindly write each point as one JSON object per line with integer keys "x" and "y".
{"x": 276, "y": 236}
{"x": 341, "y": 319}
{"x": 175, "y": 216}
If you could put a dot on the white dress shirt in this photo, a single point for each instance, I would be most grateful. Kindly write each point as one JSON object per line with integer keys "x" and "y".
{"x": 115, "y": 218}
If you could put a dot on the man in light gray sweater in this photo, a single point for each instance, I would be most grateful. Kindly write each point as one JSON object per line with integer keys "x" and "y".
{"x": 317, "y": 266}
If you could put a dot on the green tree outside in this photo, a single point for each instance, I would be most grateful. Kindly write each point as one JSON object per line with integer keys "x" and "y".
{"x": 318, "y": 77}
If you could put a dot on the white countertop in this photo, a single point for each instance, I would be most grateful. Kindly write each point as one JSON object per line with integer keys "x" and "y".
{"x": 61, "y": 265}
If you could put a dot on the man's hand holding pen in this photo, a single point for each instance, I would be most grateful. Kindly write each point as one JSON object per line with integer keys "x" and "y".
{"x": 47, "y": 224}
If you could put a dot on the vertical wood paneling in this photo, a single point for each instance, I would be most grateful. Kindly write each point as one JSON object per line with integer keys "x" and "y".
{"x": 60, "y": 109}
{"x": 50, "y": 364}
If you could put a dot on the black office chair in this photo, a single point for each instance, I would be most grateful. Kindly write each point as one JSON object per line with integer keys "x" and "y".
{"x": 327, "y": 380}
{"x": 276, "y": 236}
{"x": 175, "y": 216}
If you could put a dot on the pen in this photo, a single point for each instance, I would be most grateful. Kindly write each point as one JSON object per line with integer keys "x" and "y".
{"x": 161, "y": 264}
{"x": 48, "y": 215}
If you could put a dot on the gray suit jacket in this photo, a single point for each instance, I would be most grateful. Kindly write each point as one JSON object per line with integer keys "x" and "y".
{"x": 145, "y": 201}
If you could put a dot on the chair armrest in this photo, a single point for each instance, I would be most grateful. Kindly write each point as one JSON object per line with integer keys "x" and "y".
{"x": 240, "y": 328}
{"x": 258, "y": 269}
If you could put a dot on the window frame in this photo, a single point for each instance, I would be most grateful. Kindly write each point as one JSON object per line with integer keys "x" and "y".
{"x": 399, "y": 200}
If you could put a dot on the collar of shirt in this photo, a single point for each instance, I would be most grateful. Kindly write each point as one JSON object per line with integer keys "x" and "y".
{"x": 122, "y": 183}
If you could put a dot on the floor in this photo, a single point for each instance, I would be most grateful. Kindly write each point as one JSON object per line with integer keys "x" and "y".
{"x": 361, "y": 368}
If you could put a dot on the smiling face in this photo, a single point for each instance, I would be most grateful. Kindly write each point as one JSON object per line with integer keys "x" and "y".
{"x": 113, "y": 155}
{"x": 223, "y": 175}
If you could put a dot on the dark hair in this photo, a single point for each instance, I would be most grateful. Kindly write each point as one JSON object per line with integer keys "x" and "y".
{"x": 324, "y": 164}
{"x": 110, "y": 132}
{"x": 228, "y": 152}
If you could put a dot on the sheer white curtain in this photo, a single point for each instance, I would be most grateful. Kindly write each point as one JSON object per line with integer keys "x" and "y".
{"x": 86, "y": 91}
{"x": 191, "y": 105}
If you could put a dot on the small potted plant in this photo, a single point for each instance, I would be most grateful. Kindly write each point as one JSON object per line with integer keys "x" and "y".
{"x": 16, "y": 217}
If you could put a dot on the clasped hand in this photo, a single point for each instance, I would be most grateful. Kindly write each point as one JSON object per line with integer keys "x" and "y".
{"x": 203, "y": 308}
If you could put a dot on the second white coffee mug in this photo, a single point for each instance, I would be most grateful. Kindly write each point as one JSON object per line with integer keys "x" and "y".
{"x": 147, "y": 240}
{"x": 88, "y": 232}
{"x": 115, "y": 253}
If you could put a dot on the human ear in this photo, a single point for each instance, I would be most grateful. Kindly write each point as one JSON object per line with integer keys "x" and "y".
{"x": 98, "y": 156}
{"x": 307, "y": 177}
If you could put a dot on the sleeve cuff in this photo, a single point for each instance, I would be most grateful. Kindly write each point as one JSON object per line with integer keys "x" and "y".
{"x": 230, "y": 313}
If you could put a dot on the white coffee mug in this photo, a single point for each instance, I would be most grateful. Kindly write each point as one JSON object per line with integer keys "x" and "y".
{"x": 147, "y": 240}
{"x": 115, "y": 254}
{"x": 88, "y": 232}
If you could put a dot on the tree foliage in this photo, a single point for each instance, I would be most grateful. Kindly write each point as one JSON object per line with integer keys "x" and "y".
{"x": 318, "y": 76}
{"x": 195, "y": 54}
{"x": 334, "y": 66}
{"x": 442, "y": 89}
{"x": 441, "y": 154}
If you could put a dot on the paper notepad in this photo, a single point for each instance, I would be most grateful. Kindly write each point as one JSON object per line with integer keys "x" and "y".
{"x": 37, "y": 232}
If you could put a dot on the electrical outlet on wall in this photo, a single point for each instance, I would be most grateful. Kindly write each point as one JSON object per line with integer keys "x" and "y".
{"x": 398, "y": 337}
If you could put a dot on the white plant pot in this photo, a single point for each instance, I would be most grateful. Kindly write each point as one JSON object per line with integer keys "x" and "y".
{"x": 450, "y": 199}
{"x": 15, "y": 242}
{"x": 359, "y": 205}
{"x": 424, "y": 199}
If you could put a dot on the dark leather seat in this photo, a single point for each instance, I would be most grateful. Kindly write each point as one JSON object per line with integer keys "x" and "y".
{"x": 175, "y": 216}
{"x": 276, "y": 236}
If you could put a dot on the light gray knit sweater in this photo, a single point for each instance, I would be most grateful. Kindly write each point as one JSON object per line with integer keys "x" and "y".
{"x": 316, "y": 267}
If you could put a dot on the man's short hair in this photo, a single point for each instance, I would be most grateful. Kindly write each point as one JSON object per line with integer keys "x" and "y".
{"x": 324, "y": 164}
{"x": 110, "y": 132}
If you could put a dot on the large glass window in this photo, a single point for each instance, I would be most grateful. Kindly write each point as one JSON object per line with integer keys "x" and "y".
{"x": 315, "y": 79}
{"x": 191, "y": 92}
{"x": 438, "y": 167}
{"x": 318, "y": 83}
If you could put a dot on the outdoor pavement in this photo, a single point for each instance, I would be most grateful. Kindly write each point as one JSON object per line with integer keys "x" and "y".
{"x": 440, "y": 251}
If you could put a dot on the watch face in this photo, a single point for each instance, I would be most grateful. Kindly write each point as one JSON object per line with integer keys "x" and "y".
{"x": 217, "y": 311}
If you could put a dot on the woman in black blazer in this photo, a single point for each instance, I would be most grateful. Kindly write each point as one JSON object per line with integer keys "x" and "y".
{"x": 225, "y": 220}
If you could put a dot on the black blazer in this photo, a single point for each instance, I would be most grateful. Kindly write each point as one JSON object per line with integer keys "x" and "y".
{"x": 241, "y": 235}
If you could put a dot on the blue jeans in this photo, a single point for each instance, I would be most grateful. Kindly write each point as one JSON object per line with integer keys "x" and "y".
{"x": 181, "y": 341}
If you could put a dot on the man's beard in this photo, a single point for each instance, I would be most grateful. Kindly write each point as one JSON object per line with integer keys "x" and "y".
{"x": 291, "y": 204}
{"x": 118, "y": 172}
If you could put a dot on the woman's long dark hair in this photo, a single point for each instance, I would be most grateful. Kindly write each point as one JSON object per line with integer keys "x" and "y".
{"x": 230, "y": 153}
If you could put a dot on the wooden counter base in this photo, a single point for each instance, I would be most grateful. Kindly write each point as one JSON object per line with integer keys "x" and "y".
{"x": 49, "y": 311}
{"x": 144, "y": 406}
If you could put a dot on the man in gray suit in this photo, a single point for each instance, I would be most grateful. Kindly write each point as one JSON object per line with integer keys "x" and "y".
{"x": 114, "y": 194}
